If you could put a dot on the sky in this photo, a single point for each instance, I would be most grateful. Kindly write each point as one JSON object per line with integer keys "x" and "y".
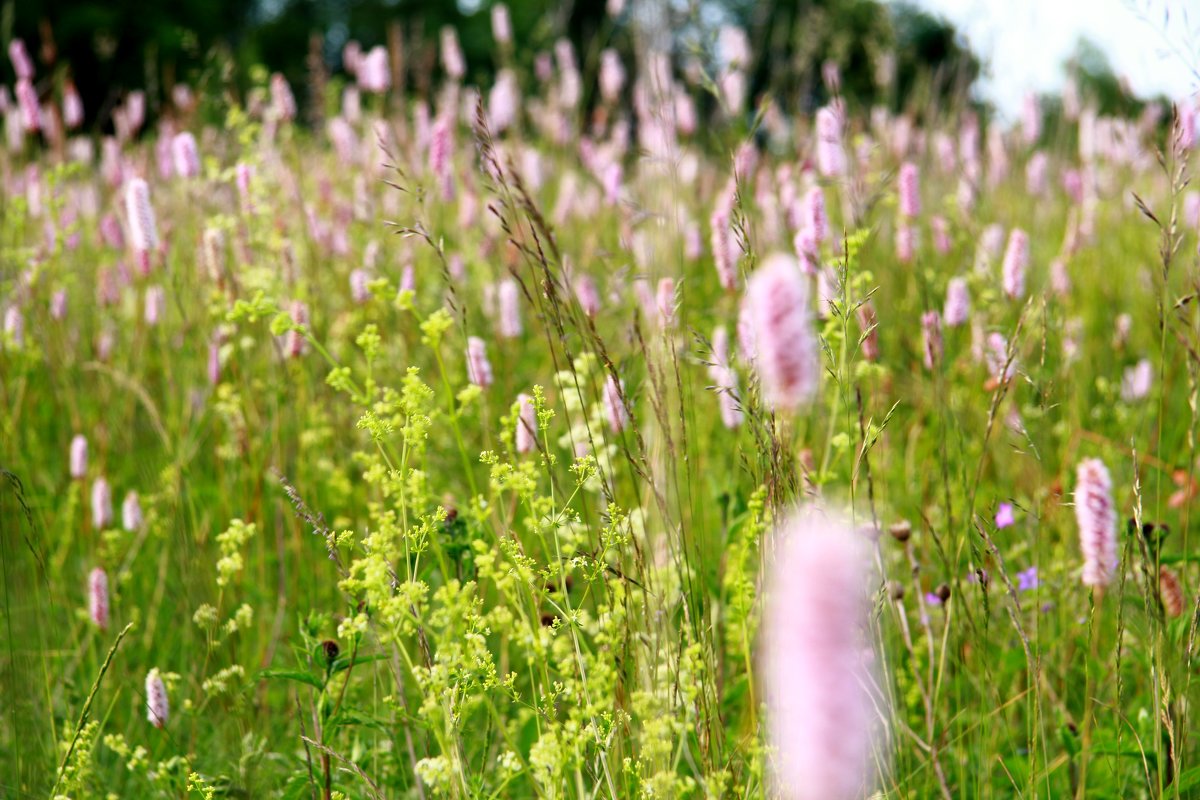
{"x": 1026, "y": 42}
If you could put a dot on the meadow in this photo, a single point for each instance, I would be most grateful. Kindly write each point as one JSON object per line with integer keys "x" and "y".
{"x": 478, "y": 446}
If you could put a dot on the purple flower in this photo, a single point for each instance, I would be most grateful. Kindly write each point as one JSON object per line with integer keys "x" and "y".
{"x": 1004, "y": 515}
{"x": 1027, "y": 580}
{"x": 932, "y": 599}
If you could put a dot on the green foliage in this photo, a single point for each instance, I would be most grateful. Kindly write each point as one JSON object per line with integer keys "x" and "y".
{"x": 354, "y": 585}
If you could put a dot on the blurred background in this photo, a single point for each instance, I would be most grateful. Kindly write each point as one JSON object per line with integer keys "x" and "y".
{"x": 894, "y": 54}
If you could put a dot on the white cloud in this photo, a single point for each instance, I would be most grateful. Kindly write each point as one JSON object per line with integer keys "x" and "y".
{"x": 1025, "y": 42}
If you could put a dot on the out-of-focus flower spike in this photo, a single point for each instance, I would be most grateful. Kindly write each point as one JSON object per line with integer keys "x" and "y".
{"x": 787, "y": 356}
{"x": 815, "y": 661}
{"x": 102, "y": 508}
{"x": 1097, "y": 519}
{"x": 157, "y": 708}
{"x": 527, "y": 425}
{"x": 479, "y": 369}
{"x": 98, "y": 598}
{"x": 143, "y": 230}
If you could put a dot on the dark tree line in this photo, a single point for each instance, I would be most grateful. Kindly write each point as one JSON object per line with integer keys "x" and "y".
{"x": 887, "y": 53}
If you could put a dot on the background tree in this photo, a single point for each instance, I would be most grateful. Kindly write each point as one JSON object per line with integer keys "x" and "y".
{"x": 887, "y": 53}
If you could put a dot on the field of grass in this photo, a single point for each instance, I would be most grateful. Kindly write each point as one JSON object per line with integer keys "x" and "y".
{"x": 450, "y": 451}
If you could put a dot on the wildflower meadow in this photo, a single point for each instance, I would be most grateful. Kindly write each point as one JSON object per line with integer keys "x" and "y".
{"x": 601, "y": 429}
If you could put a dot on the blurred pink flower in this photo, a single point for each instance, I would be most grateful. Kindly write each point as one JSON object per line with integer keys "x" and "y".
{"x": 1097, "y": 520}
{"x": 1016, "y": 260}
{"x": 479, "y": 369}
{"x": 102, "y": 508}
{"x": 527, "y": 424}
{"x": 143, "y": 231}
{"x": 909, "y": 190}
{"x": 98, "y": 598}
{"x": 831, "y": 157}
{"x": 814, "y": 661}
{"x": 374, "y": 75}
{"x": 501, "y": 24}
{"x": 614, "y": 404}
{"x": 958, "y": 303}
{"x": 157, "y": 709}
{"x": 19, "y": 56}
{"x": 931, "y": 334}
{"x": 787, "y": 353}
{"x": 186, "y": 155}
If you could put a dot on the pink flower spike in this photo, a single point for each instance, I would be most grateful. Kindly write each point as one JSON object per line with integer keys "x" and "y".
{"x": 156, "y": 300}
{"x": 906, "y": 242}
{"x": 1004, "y": 516}
{"x": 814, "y": 661}
{"x": 941, "y": 235}
{"x": 787, "y": 354}
{"x": 72, "y": 106}
{"x": 612, "y": 75}
{"x": 958, "y": 303}
{"x": 58, "y": 305}
{"x": 131, "y": 513}
{"x": 587, "y": 294}
{"x": 283, "y": 102}
{"x": 21, "y": 62}
{"x": 724, "y": 252}
{"x": 614, "y": 405}
{"x": 143, "y": 231}
{"x": 295, "y": 343}
{"x": 1097, "y": 519}
{"x": 186, "y": 155}
{"x": 479, "y": 369}
{"x": 931, "y": 330}
{"x": 27, "y": 100}
{"x": 102, "y": 508}
{"x": 815, "y": 214}
{"x": 452, "y": 56}
{"x": 501, "y": 24}
{"x": 1016, "y": 260}
{"x": 157, "y": 709}
{"x": 98, "y": 598}
{"x": 78, "y": 457}
{"x": 665, "y": 302}
{"x": 527, "y": 424}
{"x": 1137, "y": 381}
{"x": 360, "y": 289}
{"x": 508, "y": 296}
{"x": 831, "y": 156}
{"x": 244, "y": 175}
{"x": 374, "y": 75}
{"x": 909, "y": 189}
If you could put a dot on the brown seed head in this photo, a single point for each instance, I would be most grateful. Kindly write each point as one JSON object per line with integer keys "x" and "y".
{"x": 901, "y": 531}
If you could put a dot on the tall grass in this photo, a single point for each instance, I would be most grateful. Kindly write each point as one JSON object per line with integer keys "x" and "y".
{"x": 354, "y": 583}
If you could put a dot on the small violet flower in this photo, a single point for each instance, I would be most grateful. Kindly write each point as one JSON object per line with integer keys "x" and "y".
{"x": 1004, "y": 515}
{"x": 1027, "y": 580}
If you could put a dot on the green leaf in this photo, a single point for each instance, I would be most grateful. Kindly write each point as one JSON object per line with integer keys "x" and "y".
{"x": 343, "y": 662}
{"x": 293, "y": 675}
{"x": 1188, "y": 779}
{"x": 353, "y": 716}
{"x": 1069, "y": 739}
